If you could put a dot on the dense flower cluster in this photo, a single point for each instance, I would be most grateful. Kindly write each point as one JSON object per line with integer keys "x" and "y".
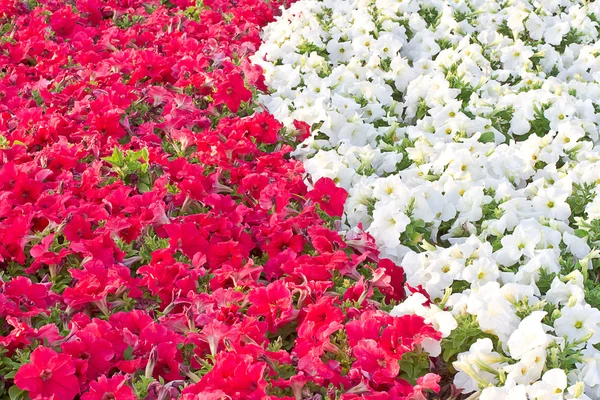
{"x": 156, "y": 239}
{"x": 467, "y": 135}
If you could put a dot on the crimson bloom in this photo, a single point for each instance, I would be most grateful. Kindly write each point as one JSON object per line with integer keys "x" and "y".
{"x": 109, "y": 389}
{"x": 49, "y": 375}
{"x": 91, "y": 354}
{"x": 236, "y": 374}
{"x": 374, "y": 362}
{"x": 395, "y": 290}
{"x": 330, "y": 197}
{"x": 274, "y": 302}
{"x": 284, "y": 240}
{"x": 232, "y": 92}
{"x": 303, "y": 130}
{"x": 405, "y": 332}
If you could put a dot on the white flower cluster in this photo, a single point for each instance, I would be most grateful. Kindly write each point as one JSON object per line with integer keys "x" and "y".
{"x": 467, "y": 134}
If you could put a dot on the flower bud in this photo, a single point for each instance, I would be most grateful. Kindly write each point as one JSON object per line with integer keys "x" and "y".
{"x": 572, "y": 301}
{"x": 151, "y": 362}
{"x": 577, "y": 389}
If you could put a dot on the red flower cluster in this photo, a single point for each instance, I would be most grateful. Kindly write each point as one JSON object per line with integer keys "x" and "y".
{"x": 156, "y": 240}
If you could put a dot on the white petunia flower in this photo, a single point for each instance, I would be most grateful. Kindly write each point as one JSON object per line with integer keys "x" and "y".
{"x": 521, "y": 242}
{"x": 552, "y": 385}
{"x": 529, "y": 335}
{"x": 579, "y": 322}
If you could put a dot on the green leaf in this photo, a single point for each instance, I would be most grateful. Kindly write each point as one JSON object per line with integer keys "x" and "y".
{"x": 422, "y": 110}
{"x": 592, "y": 295}
{"x": 582, "y": 195}
{"x": 580, "y": 233}
{"x": 466, "y": 333}
{"x": 128, "y": 353}
{"x": 145, "y": 182}
{"x": 17, "y": 394}
{"x": 308, "y": 47}
{"x": 487, "y": 137}
{"x": 11, "y": 374}
{"x": 460, "y": 286}
{"x": 545, "y": 280}
{"x": 414, "y": 365}
{"x": 116, "y": 158}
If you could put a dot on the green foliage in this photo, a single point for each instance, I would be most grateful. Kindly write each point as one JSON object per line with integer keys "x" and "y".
{"x": 592, "y": 293}
{"x": 460, "y": 340}
{"x": 491, "y": 211}
{"x": 195, "y": 11}
{"x": 565, "y": 356}
{"x": 414, "y": 365}
{"x": 3, "y": 143}
{"x": 128, "y": 353}
{"x": 9, "y": 365}
{"x": 504, "y": 29}
{"x": 308, "y": 47}
{"x": 431, "y": 15}
{"x": 545, "y": 280}
{"x": 444, "y": 43}
{"x": 132, "y": 167}
{"x": 414, "y": 234}
{"x": 459, "y": 286}
{"x": 469, "y": 16}
{"x": 524, "y": 309}
{"x": 422, "y": 109}
{"x": 501, "y": 119}
{"x": 458, "y": 81}
{"x": 152, "y": 243}
{"x": 14, "y": 393}
{"x": 386, "y": 64}
{"x": 388, "y": 307}
{"x": 35, "y": 94}
{"x": 340, "y": 340}
{"x": 140, "y": 251}
{"x": 31, "y": 4}
{"x": 573, "y": 36}
{"x": 61, "y": 280}
{"x": 126, "y": 21}
{"x": 6, "y": 32}
{"x": 140, "y": 386}
{"x": 324, "y": 18}
{"x": 582, "y": 195}
{"x": 487, "y": 137}
{"x": 141, "y": 111}
{"x": 540, "y": 125}
{"x": 401, "y": 147}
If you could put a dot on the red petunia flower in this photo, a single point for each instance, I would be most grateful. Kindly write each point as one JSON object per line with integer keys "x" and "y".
{"x": 78, "y": 228}
{"x": 302, "y": 129}
{"x": 375, "y": 362}
{"x": 280, "y": 241}
{"x": 274, "y": 302}
{"x": 232, "y": 92}
{"x": 330, "y": 197}
{"x": 91, "y": 354}
{"x": 264, "y": 127}
{"x": 405, "y": 332}
{"x": 237, "y": 374}
{"x": 109, "y": 388}
{"x": 395, "y": 290}
{"x": 325, "y": 240}
{"x": 48, "y": 375}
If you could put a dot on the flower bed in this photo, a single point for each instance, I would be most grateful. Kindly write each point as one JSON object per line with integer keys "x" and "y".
{"x": 466, "y": 133}
{"x": 156, "y": 239}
